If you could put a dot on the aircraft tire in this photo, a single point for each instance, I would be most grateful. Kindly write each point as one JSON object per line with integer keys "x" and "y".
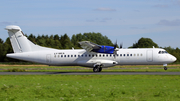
{"x": 95, "y": 69}
{"x": 165, "y": 68}
{"x": 100, "y": 69}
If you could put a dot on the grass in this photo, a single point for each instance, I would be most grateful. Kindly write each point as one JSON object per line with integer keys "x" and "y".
{"x": 90, "y": 88}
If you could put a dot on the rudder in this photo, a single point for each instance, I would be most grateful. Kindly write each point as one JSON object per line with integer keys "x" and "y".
{"x": 19, "y": 41}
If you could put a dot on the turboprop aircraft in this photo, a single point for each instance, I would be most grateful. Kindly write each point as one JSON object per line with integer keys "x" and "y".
{"x": 93, "y": 55}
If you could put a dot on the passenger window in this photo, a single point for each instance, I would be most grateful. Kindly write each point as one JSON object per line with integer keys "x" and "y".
{"x": 61, "y": 55}
{"x": 74, "y": 55}
{"x": 71, "y": 55}
{"x": 124, "y": 54}
{"x": 93, "y": 55}
{"x": 64, "y": 55}
{"x": 96, "y": 55}
{"x": 81, "y": 55}
{"x": 103, "y": 55}
{"x": 110, "y": 55}
{"x": 99, "y": 55}
{"x": 134, "y": 54}
{"x": 137, "y": 54}
{"x": 68, "y": 55}
{"x": 127, "y": 54}
{"x": 89, "y": 55}
{"x": 106, "y": 55}
{"x": 86, "y": 55}
{"x": 78, "y": 55}
{"x": 130, "y": 54}
{"x": 141, "y": 54}
{"x": 120, "y": 54}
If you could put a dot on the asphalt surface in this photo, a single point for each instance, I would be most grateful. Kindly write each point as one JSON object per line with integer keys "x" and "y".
{"x": 89, "y": 73}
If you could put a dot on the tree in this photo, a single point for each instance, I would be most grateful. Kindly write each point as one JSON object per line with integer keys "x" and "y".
{"x": 1, "y": 50}
{"x": 65, "y": 41}
{"x": 32, "y": 38}
{"x": 144, "y": 43}
{"x": 41, "y": 40}
{"x": 7, "y": 48}
{"x": 97, "y": 38}
{"x": 56, "y": 37}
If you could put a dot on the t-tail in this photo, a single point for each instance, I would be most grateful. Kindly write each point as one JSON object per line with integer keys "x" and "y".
{"x": 24, "y": 49}
{"x": 19, "y": 41}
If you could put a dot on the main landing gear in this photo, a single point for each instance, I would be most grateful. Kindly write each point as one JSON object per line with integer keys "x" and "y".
{"x": 97, "y": 68}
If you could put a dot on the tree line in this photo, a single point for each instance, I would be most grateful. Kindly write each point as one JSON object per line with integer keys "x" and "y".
{"x": 65, "y": 42}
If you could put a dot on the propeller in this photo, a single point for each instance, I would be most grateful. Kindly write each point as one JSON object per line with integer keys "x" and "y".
{"x": 115, "y": 50}
{"x": 115, "y": 45}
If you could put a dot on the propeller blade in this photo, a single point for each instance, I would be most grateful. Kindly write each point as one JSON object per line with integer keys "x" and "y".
{"x": 115, "y": 45}
{"x": 115, "y": 54}
{"x": 121, "y": 45}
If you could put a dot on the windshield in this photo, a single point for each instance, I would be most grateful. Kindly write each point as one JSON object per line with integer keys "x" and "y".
{"x": 163, "y": 52}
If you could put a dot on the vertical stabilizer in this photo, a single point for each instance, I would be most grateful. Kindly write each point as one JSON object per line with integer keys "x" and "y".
{"x": 19, "y": 41}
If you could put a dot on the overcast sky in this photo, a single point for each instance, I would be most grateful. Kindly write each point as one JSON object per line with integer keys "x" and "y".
{"x": 122, "y": 20}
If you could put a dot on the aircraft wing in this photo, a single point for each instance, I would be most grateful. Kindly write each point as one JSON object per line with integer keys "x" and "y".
{"x": 89, "y": 46}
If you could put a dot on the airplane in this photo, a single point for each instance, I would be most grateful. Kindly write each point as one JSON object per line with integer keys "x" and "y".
{"x": 92, "y": 55}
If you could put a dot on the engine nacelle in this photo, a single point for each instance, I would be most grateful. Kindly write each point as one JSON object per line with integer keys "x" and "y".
{"x": 105, "y": 49}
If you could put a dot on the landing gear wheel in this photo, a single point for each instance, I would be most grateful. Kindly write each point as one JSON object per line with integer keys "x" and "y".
{"x": 95, "y": 69}
{"x": 100, "y": 69}
{"x": 165, "y": 68}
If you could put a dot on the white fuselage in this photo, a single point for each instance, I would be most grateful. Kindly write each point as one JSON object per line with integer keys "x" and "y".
{"x": 143, "y": 56}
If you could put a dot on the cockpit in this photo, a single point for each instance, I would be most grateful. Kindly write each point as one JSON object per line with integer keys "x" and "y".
{"x": 163, "y": 52}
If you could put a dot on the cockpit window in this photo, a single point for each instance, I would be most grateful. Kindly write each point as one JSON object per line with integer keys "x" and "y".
{"x": 162, "y": 52}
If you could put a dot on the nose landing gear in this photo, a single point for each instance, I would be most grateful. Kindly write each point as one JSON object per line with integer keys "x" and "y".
{"x": 165, "y": 68}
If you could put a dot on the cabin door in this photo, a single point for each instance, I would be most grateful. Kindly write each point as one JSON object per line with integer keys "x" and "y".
{"x": 48, "y": 58}
{"x": 149, "y": 56}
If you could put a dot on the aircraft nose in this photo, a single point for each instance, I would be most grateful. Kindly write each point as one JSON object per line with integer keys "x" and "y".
{"x": 173, "y": 58}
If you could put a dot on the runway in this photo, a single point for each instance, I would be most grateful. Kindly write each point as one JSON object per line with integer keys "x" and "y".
{"x": 89, "y": 73}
